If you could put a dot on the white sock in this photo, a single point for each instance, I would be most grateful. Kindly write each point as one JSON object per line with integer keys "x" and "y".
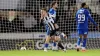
{"x": 83, "y": 48}
{"x": 78, "y": 46}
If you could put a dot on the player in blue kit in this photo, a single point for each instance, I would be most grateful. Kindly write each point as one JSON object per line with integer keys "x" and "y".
{"x": 82, "y": 17}
{"x": 52, "y": 10}
{"x": 52, "y": 13}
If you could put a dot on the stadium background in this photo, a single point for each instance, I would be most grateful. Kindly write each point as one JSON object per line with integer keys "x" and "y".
{"x": 19, "y": 23}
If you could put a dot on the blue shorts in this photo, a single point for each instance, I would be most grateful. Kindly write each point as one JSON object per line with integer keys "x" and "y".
{"x": 47, "y": 30}
{"x": 82, "y": 31}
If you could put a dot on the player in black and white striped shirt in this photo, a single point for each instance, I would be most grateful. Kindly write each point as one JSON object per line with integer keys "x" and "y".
{"x": 50, "y": 22}
{"x": 47, "y": 20}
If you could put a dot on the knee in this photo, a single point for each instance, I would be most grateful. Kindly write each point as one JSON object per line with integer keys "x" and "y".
{"x": 57, "y": 38}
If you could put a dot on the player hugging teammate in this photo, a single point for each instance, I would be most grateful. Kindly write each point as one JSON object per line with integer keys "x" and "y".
{"x": 52, "y": 29}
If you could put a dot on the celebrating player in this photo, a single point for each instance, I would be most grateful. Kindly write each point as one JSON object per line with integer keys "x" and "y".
{"x": 48, "y": 20}
{"x": 82, "y": 17}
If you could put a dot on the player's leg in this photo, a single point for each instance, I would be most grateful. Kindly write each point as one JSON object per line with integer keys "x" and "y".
{"x": 63, "y": 37}
{"x": 52, "y": 35}
{"x": 80, "y": 32}
{"x": 84, "y": 39}
{"x": 46, "y": 43}
{"x": 84, "y": 42}
{"x": 54, "y": 47}
{"x": 54, "y": 42}
{"x": 47, "y": 38}
{"x": 58, "y": 39}
{"x": 79, "y": 41}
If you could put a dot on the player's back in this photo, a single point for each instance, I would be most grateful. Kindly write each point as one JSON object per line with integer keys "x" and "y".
{"x": 82, "y": 18}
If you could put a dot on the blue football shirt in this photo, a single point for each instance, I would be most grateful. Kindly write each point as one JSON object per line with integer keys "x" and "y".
{"x": 52, "y": 12}
{"x": 82, "y": 17}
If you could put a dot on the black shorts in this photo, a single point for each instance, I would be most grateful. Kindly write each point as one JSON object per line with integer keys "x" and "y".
{"x": 54, "y": 32}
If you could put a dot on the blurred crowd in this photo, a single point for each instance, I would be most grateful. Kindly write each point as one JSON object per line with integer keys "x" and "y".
{"x": 25, "y": 18}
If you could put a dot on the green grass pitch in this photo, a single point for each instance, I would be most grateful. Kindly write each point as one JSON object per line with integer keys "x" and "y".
{"x": 50, "y": 53}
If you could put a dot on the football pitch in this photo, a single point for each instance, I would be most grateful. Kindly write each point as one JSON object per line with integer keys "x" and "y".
{"x": 50, "y": 53}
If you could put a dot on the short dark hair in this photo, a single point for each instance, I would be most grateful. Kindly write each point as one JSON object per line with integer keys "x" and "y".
{"x": 83, "y": 4}
{"x": 53, "y": 3}
{"x": 44, "y": 9}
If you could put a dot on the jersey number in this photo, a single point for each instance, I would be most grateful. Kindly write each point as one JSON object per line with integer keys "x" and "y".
{"x": 81, "y": 17}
